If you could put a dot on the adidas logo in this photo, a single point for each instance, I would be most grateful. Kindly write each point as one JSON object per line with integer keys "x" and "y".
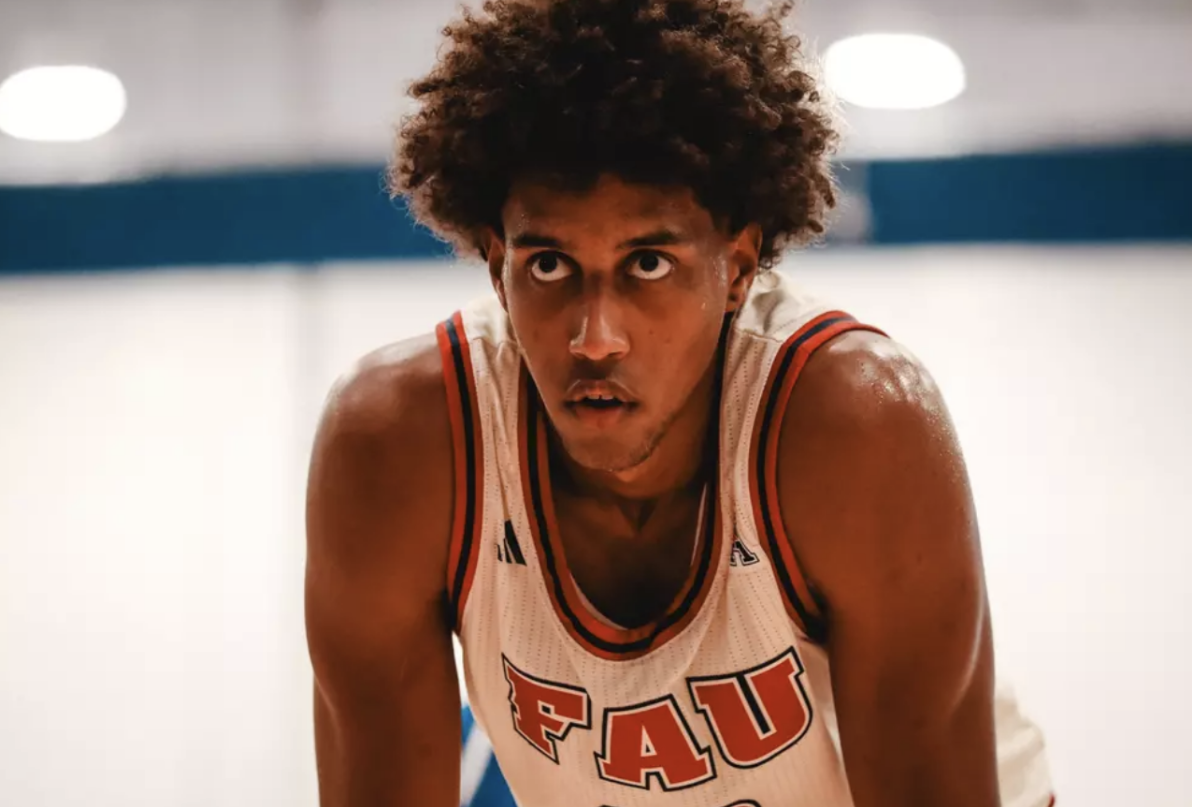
{"x": 741, "y": 555}
{"x": 509, "y": 550}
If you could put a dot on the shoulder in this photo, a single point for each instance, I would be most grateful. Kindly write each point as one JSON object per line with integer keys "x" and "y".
{"x": 390, "y": 397}
{"x": 863, "y": 386}
{"x": 378, "y": 528}
{"x": 870, "y": 471}
{"x": 864, "y": 408}
{"x": 882, "y": 525}
{"x": 380, "y": 474}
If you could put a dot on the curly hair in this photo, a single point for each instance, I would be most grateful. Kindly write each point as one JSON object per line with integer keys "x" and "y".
{"x": 702, "y": 94}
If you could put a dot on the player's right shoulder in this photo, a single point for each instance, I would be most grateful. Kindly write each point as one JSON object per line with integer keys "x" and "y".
{"x": 380, "y": 488}
{"x": 378, "y": 533}
{"x": 394, "y": 397}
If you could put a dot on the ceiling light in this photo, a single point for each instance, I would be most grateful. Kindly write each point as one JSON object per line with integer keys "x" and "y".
{"x": 61, "y": 104}
{"x": 894, "y": 71}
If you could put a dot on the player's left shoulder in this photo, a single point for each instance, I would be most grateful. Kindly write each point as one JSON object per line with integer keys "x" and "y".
{"x": 866, "y": 434}
{"x": 869, "y": 464}
{"x": 862, "y": 391}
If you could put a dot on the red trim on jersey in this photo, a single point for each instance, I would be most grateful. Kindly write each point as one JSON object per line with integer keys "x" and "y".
{"x": 467, "y": 461}
{"x": 589, "y": 632}
{"x": 801, "y": 602}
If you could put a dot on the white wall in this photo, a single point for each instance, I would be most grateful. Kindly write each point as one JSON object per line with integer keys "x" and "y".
{"x": 150, "y": 542}
{"x": 324, "y": 80}
{"x": 153, "y": 439}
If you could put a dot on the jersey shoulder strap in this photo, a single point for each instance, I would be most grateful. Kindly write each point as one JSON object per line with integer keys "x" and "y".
{"x": 780, "y": 328}
{"x": 481, "y": 368}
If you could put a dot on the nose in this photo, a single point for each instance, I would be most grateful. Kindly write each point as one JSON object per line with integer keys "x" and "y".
{"x": 601, "y": 335}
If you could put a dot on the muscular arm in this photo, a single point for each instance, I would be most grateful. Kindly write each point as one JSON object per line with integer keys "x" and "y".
{"x": 378, "y": 519}
{"x": 877, "y": 502}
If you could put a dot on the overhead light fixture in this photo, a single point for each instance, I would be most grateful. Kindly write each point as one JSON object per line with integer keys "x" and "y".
{"x": 61, "y": 103}
{"x": 894, "y": 71}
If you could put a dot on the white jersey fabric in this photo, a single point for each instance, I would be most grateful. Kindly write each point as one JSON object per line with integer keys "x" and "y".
{"x": 725, "y": 701}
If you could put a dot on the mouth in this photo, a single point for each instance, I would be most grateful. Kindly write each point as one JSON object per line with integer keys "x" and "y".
{"x": 602, "y": 399}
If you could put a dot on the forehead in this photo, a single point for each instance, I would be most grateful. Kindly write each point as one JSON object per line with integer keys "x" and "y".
{"x": 608, "y": 207}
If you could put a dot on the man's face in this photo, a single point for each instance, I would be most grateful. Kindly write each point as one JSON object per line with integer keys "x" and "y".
{"x": 617, "y": 295}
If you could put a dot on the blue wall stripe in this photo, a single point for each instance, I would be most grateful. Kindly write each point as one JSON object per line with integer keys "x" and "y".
{"x": 303, "y": 215}
{"x": 1134, "y": 194}
{"x": 320, "y": 214}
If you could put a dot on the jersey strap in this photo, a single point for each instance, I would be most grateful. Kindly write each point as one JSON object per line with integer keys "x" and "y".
{"x": 467, "y": 462}
{"x": 802, "y": 604}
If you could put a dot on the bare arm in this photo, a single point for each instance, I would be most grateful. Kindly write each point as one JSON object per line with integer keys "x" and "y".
{"x": 387, "y": 727}
{"x": 875, "y": 490}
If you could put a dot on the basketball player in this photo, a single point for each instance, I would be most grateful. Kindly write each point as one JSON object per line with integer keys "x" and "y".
{"x": 705, "y": 540}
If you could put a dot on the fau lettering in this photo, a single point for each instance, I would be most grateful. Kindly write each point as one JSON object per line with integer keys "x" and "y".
{"x": 652, "y": 739}
{"x": 753, "y": 716}
{"x": 543, "y": 711}
{"x": 757, "y": 714}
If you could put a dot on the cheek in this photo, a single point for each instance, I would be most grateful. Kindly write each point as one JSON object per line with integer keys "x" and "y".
{"x": 684, "y": 345}
{"x": 540, "y": 332}
{"x": 530, "y": 330}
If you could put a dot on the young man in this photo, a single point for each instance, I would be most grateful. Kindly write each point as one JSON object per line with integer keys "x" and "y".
{"x": 705, "y": 540}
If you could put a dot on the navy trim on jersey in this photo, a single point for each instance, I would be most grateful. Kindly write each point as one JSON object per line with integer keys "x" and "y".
{"x": 816, "y": 629}
{"x": 465, "y": 399}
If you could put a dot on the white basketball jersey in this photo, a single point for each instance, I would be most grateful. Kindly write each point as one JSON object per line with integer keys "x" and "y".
{"x": 725, "y": 700}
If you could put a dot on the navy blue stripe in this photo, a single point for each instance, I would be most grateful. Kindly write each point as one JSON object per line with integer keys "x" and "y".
{"x": 816, "y": 630}
{"x": 307, "y": 216}
{"x": 465, "y": 399}
{"x": 754, "y": 707}
{"x": 548, "y": 555}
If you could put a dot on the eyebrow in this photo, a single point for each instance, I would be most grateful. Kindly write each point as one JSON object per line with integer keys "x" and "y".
{"x": 536, "y": 241}
{"x": 657, "y": 238}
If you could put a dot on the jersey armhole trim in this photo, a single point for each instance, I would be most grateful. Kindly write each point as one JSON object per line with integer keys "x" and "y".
{"x": 467, "y": 465}
{"x": 803, "y": 606}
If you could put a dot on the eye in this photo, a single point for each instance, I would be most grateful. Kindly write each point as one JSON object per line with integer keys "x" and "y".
{"x": 650, "y": 266}
{"x": 549, "y": 267}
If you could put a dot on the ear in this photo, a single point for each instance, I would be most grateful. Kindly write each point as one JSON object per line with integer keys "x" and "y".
{"x": 744, "y": 256}
{"x": 492, "y": 249}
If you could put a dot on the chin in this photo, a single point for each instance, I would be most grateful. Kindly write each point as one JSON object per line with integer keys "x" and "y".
{"x": 607, "y": 454}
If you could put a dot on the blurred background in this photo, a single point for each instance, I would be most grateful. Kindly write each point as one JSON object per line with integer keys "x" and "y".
{"x": 194, "y": 243}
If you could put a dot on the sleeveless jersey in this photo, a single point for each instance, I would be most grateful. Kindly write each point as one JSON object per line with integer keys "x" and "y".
{"x": 723, "y": 701}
